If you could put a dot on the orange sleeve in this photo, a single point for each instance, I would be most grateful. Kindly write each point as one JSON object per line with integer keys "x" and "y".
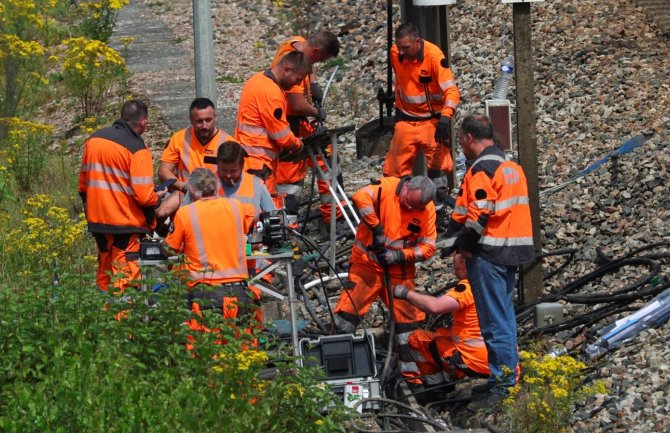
{"x": 364, "y": 199}
{"x": 175, "y": 239}
{"x": 82, "y": 172}
{"x": 172, "y": 152}
{"x": 462, "y": 294}
{"x": 273, "y": 115}
{"x": 142, "y": 178}
{"x": 445, "y": 79}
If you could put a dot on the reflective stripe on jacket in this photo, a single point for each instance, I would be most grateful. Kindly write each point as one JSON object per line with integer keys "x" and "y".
{"x": 116, "y": 181}
{"x": 185, "y": 150}
{"x": 261, "y": 127}
{"x": 210, "y": 232}
{"x": 493, "y": 201}
{"x": 410, "y": 91}
{"x": 249, "y": 193}
{"x": 413, "y": 231}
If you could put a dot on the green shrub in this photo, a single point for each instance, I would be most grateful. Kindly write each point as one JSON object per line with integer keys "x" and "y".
{"x": 24, "y": 152}
{"x": 69, "y": 366}
{"x": 544, "y": 399}
{"x": 91, "y": 70}
{"x": 99, "y": 18}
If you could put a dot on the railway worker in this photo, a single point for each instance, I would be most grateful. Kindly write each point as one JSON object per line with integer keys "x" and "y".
{"x": 452, "y": 353}
{"x": 491, "y": 226}
{"x": 262, "y": 127}
{"x": 192, "y": 147}
{"x": 188, "y": 149}
{"x": 304, "y": 102}
{"x": 397, "y": 230}
{"x": 234, "y": 182}
{"x": 210, "y": 232}
{"x": 117, "y": 189}
{"x": 426, "y": 98}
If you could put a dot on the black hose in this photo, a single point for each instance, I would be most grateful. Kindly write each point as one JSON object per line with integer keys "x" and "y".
{"x": 614, "y": 302}
{"x": 310, "y": 310}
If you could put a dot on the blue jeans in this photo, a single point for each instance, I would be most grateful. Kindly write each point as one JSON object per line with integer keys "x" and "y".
{"x": 493, "y": 290}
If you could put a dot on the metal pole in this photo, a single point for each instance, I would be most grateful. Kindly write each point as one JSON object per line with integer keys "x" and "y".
{"x": 205, "y": 76}
{"x": 333, "y": 202}
{"x": 292, "y": 301}
{"x": 527, "y": 137}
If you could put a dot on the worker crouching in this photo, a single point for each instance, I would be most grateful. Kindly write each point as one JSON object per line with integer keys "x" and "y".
{"x": 210, "y": 232}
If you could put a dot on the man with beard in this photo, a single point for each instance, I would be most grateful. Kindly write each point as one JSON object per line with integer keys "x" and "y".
{"x": 234, "y": 182}
{"x": 262, "y": 127}
{"x": 193, "y": 147}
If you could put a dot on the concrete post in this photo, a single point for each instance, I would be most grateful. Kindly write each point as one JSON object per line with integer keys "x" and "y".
{"x": 532, "y": 280}
{"x": 205, "y": 75}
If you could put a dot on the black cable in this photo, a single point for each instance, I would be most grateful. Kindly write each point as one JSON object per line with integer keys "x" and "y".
{"x": 615, "y": 302}
{"x": 309, "y": 204}
{"x": 312, "y": 245}
{"x": 309, "y": 308}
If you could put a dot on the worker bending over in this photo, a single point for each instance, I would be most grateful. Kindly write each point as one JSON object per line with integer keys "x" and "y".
{"x": 262, "y": 127}
{"x": 452, "y": 353}
{"x": 210, "y": 232}
{"x": 304, "y": 103}
{"x": 397, "y": 230}
{"x": 491, "y": 227}
{"x": 117, "y": 189}
{"x": 426, "y": 98}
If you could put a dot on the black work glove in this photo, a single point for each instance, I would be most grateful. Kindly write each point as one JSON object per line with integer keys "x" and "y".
{"x": 467, "y": 240}
{"x": 400, "y": 291}
{"x": 317, "y": 94}
{"x": 447, "y": 251}
{"x": 377, "y": 238}
{"x": 390, "y": 257}
{"x": 321, "y": 114}
{"x": 442, "y": 131}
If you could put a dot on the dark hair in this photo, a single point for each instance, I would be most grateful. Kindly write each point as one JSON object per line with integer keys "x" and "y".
{"x": 134, "y": 111}
{"x": 479, "y": 126}
{"x": 231, "y": 151}
{"x": 201, "y": 104}
{"x": 407, "y": 29}
{"x": 298, "y": 61}
{"x": 327, "y": 42}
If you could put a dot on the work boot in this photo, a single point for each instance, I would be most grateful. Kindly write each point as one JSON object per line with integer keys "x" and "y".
{"x": 487, "y": 402}
{"x": 482, "y": 388}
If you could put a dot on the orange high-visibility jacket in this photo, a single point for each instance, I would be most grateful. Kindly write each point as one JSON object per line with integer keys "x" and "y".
{"x": 430, "y": 71}
{"x": 492, "y": 205}
{"x": 303, "y": 87}
{"x": 413, "y": 231}
{"x": 185, "y": 150}
{"x": 465, "y": 332}
{"x": 210, "y": 232}
{"x": 116, "y": 181}
{"x": 262, "y": 128}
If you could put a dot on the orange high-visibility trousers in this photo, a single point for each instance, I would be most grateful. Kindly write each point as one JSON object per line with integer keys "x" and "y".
{"x": 470, "y": 361}
{"x": 368, "y": 285}
{"x": 408, "y": 138}
{"x": 117, "y": 260}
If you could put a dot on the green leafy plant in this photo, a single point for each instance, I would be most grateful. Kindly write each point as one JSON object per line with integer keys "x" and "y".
{"x": 91, "y": 69}
{"x": 24, "y": 150}
{"x": 99, "y": 18}
{"x": 544, "y": 399}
